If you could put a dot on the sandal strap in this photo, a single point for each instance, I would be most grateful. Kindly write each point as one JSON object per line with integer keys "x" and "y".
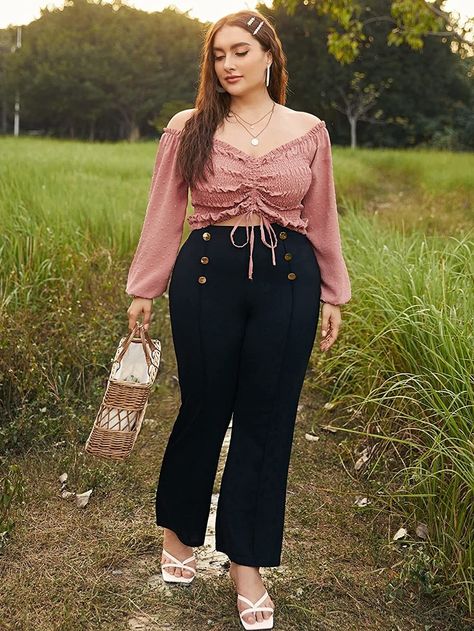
{"x": 177, "y": 562}
{"x": 254, "y": 610}
{"x": 257, "y": 603}
{"x": 191, "y": 569}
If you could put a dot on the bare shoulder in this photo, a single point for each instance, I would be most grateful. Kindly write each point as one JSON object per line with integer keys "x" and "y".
{"x": 308, "y": 119}
{"x": 179, "y": 119}
{"x": 302, "y": 121}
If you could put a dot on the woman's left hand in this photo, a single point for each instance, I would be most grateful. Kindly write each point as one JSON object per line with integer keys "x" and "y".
{"x": 330, "y": 324}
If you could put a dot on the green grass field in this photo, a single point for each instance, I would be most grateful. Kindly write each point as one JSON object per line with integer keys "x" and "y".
{"x": 400, "y": 376}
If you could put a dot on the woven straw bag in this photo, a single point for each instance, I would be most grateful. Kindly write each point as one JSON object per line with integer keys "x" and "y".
{"x": 120, "y": 416}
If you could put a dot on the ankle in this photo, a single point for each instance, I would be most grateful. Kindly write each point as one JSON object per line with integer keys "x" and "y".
{"x": 244, "y": 568}
{"x": 245, "y": 575}
{"x": 170, "y": 537}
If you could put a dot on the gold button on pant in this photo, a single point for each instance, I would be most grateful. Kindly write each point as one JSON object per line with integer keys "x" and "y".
{"x": 288, "y": 256}
{"x": 206, "y": 236}
{"x": 204, "y": 259}
{"x": 283, "y": 234}
{"x": 228, "y": 334}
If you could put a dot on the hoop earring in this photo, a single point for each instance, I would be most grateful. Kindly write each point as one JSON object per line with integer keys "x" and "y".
{"x": 267, "y": 82}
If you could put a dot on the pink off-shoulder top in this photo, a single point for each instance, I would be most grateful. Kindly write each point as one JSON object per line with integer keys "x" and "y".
{"x": 292, "y": 185}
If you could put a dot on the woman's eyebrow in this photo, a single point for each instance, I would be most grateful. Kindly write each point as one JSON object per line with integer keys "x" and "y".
{"x": 234, "y": 45}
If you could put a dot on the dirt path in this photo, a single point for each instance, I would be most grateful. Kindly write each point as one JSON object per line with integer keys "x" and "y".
{"x": 71, "y": 569}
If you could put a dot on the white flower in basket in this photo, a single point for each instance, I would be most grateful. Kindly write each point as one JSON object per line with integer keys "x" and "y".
{"x": 120, "y": 416}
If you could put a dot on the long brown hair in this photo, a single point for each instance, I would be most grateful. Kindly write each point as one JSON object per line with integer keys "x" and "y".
{"x": 196, "y": 139}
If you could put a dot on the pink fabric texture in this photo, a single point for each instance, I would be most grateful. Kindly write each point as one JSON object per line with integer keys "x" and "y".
{"x": 292, "y": 185}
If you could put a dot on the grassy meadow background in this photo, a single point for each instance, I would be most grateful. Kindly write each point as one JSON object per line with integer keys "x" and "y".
{"x": 399, "y": 379}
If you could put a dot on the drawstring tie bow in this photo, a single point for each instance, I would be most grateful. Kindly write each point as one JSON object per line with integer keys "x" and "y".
{"x": 264, "y": 225}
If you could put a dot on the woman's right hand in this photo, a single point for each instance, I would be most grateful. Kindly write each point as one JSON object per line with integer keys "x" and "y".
{"x": 138, "y": 307}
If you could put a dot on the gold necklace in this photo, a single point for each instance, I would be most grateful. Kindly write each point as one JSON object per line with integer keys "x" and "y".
{"x": 255, "y": 139}
{"x": 252, "y": 124}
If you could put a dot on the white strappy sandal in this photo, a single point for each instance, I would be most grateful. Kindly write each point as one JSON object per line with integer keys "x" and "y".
{"x": 254, "y": 607}
{"x": 172, "y": 578}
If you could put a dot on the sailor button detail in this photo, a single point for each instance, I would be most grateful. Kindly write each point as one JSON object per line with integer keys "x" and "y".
{"x": 206, "y": 236}
{"x": 283, "y": 235}
{"x": 288, "y": 256}
{"x": 202, "y": 279}
{"x": 292, "y": 276}
{"x": 204, "y": 259}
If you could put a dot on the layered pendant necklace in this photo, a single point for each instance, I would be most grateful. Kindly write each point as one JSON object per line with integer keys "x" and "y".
{"x": 254, "y": 140}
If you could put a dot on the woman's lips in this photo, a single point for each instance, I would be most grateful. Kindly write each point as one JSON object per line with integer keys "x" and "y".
{"x": 232, "y": 79}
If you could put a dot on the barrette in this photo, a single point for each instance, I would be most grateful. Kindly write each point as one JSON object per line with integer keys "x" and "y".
{"x": 249, "y": 22}
{"x": 258, "y": 28}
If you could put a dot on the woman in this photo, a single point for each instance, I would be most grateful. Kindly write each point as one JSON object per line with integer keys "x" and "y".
{"x": 244, "y": 310}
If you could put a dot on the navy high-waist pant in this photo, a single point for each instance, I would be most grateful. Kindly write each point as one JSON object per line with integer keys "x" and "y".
{"x": 242, "y": 347}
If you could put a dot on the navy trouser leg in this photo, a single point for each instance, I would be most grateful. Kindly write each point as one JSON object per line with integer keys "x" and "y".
{"x": 278, "y": 341}
{"x": 242, "y": 347}
{"x": 208, "y": 322}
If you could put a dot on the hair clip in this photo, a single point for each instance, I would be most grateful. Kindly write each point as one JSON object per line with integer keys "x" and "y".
{"x": 249, "y": 22}
{"x": 258, "y": 28}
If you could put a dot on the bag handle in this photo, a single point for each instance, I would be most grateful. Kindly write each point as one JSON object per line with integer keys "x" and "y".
{"x": 144, "y": 336}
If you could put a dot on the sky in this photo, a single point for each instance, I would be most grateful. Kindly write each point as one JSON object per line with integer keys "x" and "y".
{"x": 13, "y": 12}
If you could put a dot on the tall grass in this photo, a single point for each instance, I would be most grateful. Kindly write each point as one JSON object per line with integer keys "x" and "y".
{"x": 406, "y": 359}
{"x": 70, "y": 216}
{"x": 61, "y": 202}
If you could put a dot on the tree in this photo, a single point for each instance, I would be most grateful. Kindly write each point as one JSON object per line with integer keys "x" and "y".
{"x": 6, "y": 48}
{"x": 412, "y": 21}
{"x": 358, "y": 100}
{"x": 95, "y": 70}
{"x": 430, "y": 88}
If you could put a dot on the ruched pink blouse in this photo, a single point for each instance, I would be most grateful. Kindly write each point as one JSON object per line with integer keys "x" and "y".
{"x": 292, "y": 185}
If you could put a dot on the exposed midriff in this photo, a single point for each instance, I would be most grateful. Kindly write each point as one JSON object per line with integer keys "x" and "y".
{"x": 254, "y": 220}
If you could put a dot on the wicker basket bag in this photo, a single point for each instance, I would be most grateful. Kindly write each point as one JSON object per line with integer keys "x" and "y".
{"x": 120, "y": 416}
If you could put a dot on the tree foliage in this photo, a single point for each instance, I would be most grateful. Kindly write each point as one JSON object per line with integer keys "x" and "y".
{"x": 416, "y": 95}
{"x": 92, "y": 70}
{"x": 411, "y": 22}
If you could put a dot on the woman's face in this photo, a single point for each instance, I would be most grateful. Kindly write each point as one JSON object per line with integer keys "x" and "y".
{"x": 237, "y": 52}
